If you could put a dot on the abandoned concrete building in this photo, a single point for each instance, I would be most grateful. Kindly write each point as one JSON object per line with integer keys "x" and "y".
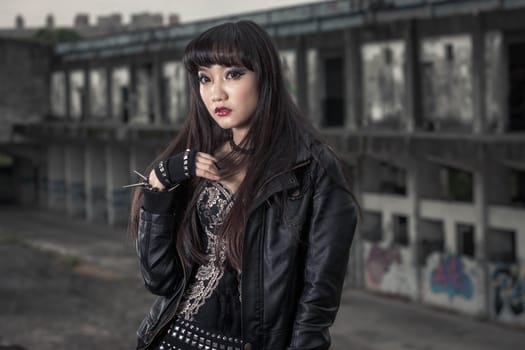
{"x": 424, "y": 100}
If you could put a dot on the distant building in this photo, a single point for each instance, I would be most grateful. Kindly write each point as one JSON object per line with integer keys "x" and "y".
{"x": 50, "y": 21}
{"x": 146, "y": 20}
{"x": 173, "y": 19}
{"x": 19, "y": 22}
{"x": 105, "y": 25}
{"x": 81, "y": 21}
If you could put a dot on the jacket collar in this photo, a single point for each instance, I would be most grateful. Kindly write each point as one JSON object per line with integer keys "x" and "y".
{"x": 283, "y": 180}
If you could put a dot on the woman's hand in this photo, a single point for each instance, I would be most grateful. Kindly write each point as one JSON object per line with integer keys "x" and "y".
{"x": 205, "y": 167}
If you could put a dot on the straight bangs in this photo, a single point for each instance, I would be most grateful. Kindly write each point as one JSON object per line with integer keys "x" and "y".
{"x": 224, "y": 45}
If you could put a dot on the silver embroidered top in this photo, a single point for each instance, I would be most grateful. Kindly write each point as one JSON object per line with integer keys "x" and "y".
{"x": 213, "y": 205}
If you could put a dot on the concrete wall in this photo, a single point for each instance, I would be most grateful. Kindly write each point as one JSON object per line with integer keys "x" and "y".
{"x": 24, "y": 77}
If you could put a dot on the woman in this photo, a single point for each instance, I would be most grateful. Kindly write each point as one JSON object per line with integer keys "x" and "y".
{"x": 244, "y": 224}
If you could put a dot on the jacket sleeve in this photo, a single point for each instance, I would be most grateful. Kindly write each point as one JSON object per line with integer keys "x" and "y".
{"x": 160, "y": 263}
{"x": 330, "y": 235}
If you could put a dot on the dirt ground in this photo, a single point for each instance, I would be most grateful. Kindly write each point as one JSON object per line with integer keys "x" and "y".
{"x": 53, "y": 301}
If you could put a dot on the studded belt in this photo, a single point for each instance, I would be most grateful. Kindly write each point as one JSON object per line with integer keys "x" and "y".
{"x": 185, "y": 335}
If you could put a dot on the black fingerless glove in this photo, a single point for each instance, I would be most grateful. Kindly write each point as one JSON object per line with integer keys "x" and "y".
{"x": 176, "y": 169}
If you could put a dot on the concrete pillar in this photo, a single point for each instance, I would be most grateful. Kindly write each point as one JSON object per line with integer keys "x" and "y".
{"x": 315, "y": 86}
{"x": 132, "y": 98}
{"x": 413, "y": 194}
{"x": 68, "y": 94}
{"x": 302, "y": 76}
{"x": 413, "y": 108}
{"x": 86, "y": 104}
{"x": 75, "y": 183}
{"x": 357, "y": 244}
{"x": 117, "y": 175}
{"x": 478, "y": 75}
{"x": 56, "y": 178}
{"x": 353, "y": 79}
{"x": 109, "y": 93}
{"x": 156, "y": 85}
{"x": 481, "y": 226}
{"x": 95, "y": 183}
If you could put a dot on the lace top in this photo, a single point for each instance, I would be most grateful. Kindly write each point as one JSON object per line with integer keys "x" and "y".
{"x": 212, "y": 297}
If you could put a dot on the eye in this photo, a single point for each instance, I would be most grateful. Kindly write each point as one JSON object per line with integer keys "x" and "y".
{"x": 203, "y": 79}
{"x": 235, "y": 74}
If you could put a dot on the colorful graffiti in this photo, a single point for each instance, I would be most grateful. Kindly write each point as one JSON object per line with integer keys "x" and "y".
{"x": 449, "y": 277}
{"x": 509, "y": 289}
{"x": 378, "y": 263}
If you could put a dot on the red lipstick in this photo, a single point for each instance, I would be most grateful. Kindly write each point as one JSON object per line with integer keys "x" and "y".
{"x": 222, "y": 111}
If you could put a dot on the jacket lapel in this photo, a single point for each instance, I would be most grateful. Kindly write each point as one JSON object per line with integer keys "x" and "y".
{"x": 281, "y": 182}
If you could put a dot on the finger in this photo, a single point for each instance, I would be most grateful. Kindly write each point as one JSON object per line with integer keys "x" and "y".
{"x": 207, "y": 167}
{"x": 207, "y": 175}
{"x": 206, "y": 164}
{"x": 202, "y": 155}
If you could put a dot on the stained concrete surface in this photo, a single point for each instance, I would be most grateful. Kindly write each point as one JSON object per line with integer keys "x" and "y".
{"x": 68, "y": 284}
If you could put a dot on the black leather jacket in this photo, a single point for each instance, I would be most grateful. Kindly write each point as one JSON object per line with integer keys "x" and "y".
{"x": 294, "y": 258}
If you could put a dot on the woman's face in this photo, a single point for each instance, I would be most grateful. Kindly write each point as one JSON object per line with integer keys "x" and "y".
{"x": 230, "y": 95}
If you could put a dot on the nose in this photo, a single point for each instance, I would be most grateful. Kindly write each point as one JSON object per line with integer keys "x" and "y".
{"x": 217, "y": 92}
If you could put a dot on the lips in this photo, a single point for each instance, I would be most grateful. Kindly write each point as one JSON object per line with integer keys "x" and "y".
{"x": 222, "y": 111}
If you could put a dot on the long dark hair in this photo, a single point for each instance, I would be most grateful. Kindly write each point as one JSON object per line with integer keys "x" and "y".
{"x": 276, "y": 132}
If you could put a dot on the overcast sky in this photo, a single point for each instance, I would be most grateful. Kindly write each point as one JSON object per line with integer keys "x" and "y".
{"x": 35, "y": 11}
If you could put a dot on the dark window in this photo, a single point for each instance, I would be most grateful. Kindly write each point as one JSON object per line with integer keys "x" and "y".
{"x": 517, "y": 187}
{"x": 458, "y": 185}
{"x": 125, "y": 104}
{"x": 502, "y": 246}
{"x": 432, "y": 239}
{"x": 393, "y": 179}
{"x": 516, "y": 94}
{"x": 449, "y": 52}
{"x": 465, "y": 239}
{"x": 371, "y": 228}
{"x": 333, "y": 104}
{"x": 400, "y": 224}
{"x": 388, "y": 55}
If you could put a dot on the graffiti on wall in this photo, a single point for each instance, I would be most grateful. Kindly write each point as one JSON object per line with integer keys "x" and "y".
{"x": 388, "y": 270}
{"x": 378, "y": 263}
{"x": 449, "y": 277}
{"x": 455, "y": 282}
{"x": 508, "y": 290}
